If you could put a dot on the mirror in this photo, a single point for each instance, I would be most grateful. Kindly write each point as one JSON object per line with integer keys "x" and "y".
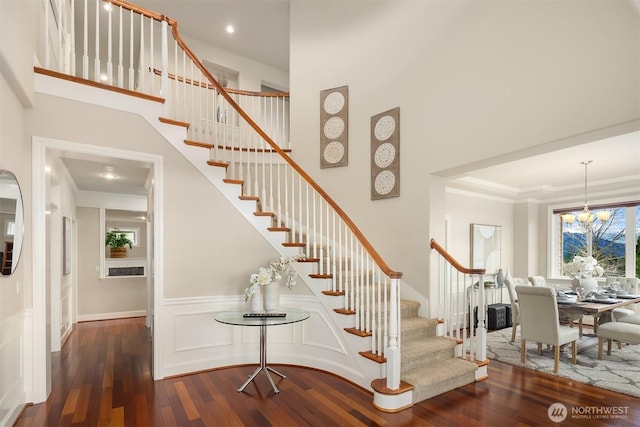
{"x": 11, "y": 222}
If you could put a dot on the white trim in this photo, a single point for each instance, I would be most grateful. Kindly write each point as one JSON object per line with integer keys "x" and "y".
{"x": 108, "y": 316}
{"x": 41, "y": 377}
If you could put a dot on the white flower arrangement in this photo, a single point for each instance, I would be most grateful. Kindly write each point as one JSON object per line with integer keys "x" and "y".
{"x": 583, "y": 267}
{"x": 266, "y": 275}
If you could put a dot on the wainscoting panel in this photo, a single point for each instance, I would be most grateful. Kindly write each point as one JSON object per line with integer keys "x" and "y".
{"x": 194, "y": 341}
{"x": 12, "y": 393}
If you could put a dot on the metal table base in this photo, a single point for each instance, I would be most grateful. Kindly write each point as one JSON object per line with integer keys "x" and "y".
{"x": 263, "y": 363}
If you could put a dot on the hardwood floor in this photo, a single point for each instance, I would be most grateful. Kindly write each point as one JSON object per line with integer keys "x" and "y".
{"x": 103, "y": 377}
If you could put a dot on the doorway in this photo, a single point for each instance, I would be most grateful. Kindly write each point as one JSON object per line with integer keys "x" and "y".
{"x": 46, "y": 307}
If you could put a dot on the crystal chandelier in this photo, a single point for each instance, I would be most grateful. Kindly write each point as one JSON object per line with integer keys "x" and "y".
{"x": 585, "y": 217}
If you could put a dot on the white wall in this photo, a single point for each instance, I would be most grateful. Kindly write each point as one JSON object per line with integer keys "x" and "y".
{"x": 473, "y": 80}
{"x": 207, "y": 241}
{"x": 251, "y": 74}
{"x": 463, "y": 210}
{"x": 107, "y": 297}
{"x": 15, "y": 290}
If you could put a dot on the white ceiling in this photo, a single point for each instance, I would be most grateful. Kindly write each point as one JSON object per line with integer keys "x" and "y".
{"x": 262, "y": 34}
{"x": 615, "y": 169}
{"x": 261, "y": 26}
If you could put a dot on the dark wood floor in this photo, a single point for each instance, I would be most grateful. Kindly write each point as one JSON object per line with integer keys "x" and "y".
{"x": 103, "y": 377}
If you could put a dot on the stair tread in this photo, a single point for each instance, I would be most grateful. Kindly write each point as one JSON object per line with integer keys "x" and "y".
{"x": 427, "y": 345}
{"x": 438, "y": 372}
{"x": 411, "y": 323}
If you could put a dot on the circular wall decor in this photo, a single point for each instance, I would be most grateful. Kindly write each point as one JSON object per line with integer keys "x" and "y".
{"x": 333, "y": 128}
{"x": 333, "y": 152}
{"x": 333, "y": 103}
{"x": 384, "y": 128}
{"x": 384, "y": 183}
{"x": 384, "y": 155}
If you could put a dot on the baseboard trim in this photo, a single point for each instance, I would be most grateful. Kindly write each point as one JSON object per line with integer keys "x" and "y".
{"x": 108, "y": 316}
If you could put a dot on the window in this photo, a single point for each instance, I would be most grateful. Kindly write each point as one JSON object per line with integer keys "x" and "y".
{"x": 10, "y": 228}
{"x": 132, "y": 234}
{"x": 615, "y": 242}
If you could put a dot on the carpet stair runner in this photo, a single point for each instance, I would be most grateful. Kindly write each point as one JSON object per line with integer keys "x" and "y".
{"x": 428, "y": 361}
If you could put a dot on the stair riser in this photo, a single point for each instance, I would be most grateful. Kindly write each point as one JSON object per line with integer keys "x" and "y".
{"x": 409, "y": 364}
{"x": 427, "y": 391}
{"x": 417, "y": 334}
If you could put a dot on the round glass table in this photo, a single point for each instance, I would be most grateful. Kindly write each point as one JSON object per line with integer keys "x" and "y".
{"x": 239, "y": 318}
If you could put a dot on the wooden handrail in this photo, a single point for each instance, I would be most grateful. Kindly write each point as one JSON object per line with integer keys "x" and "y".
{"x": 210, "y": 86}
{"x": 446, "y": 255}
{"x": 356, "y": 231}
{"x": 99, "y": 85}
{"x": 142, "y": 11}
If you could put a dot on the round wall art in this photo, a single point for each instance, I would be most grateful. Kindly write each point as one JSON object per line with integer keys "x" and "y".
{"x": 385, "y": 154}
{"x": 334, "y": 127}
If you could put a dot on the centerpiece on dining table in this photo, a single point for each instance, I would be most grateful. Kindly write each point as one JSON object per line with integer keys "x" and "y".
{"x": 584, "y": 271}
{"x": 264, "y": 292}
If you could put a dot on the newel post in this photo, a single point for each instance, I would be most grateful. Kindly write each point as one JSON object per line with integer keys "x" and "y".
{"x": 481, "y": 334}
{"x": 393, "y": 350}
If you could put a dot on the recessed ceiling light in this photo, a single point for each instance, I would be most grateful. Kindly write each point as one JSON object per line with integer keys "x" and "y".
{"x": 230, "y": 29}
{"x": 108, "y": 173}
{"x": 103, "y": 77}
{"x": 108, "y": 7}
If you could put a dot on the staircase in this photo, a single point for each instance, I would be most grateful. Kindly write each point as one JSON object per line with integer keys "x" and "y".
{"x": 421, "y": 359}
{"x": 428, "y": 360}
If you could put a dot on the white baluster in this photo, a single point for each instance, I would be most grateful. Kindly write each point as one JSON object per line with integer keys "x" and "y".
{"x": 47, "y": 48}
{"x": 164, "y": 80}
{"x": 334, "y": 252}
{"x": 152, "y": 62}
{"x": 141, "y": 68}
{"x": 120, "y": 53}
{"x": 320, "y": 235}
{"x": 109, "y": 48}
{"x": 72, "y": 39}
{"x": 132, "y": 77}
{"x": 96, "y": 59}
{"x": 61, "y": 56}
{"x": 308, "y": 239}
{"x": 85, "y": 44}
{"x": 286, "y": 196}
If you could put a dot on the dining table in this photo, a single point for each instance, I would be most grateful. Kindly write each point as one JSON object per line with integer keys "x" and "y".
{"x": 600, "y": 309}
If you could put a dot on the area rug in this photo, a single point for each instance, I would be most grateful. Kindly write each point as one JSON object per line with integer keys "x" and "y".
{"x": 618, "y": 372}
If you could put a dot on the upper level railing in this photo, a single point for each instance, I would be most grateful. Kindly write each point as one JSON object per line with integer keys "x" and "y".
{"x": 460, "y": 293}
{"x": 129, "y": 47}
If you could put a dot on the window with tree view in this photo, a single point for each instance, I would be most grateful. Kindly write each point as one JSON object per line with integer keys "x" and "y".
{"x": 615, "y": 242}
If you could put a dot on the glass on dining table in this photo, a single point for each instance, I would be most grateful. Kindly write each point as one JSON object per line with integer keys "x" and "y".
{"x": 581, "y": 293}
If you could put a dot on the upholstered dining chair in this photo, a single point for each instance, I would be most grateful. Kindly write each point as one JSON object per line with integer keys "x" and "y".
{"x": 511, "y": 283}
{"x": 537, "y": 281}
{"x": 539, "y": 322}
{"x": 630, "y": 285}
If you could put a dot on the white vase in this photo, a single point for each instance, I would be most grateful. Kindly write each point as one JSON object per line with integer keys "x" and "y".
{"x": 500, "y": 278}
{"x": 271, "y": 293}
{"x": 588, "y": 284}
{"x": 256, "y": 303}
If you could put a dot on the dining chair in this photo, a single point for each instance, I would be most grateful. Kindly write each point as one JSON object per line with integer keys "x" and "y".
{"x": 537, "y": 281}
{"x": 628, "y": 284}
{"x": 511, "y": 283}
{"x": 539, "y": 322}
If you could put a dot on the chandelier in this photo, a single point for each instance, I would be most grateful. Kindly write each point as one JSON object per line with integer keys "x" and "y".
{"x": 585, "y": 217}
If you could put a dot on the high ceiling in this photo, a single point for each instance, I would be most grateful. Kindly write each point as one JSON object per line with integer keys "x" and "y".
{"x": 262, "y": 33}
{"x": 615, "y": 169}
{"x": 261, "y": 26}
